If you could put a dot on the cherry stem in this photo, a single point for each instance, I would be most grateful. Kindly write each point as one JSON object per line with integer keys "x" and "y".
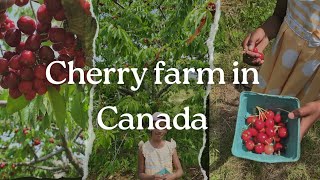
{"x": 284, "y": 110}
{"x": 34, "y": 14}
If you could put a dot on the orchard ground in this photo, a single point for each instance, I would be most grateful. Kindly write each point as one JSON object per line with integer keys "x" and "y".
{"x": 239, "y": 18}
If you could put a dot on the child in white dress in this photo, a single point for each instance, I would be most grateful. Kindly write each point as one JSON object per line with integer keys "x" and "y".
{"x": 157, "y": 157}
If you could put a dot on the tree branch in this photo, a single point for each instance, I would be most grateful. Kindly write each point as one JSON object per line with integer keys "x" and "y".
{"x": 117, "y": 3}
{"x": 70, "y": 157}
{"x": 44, "y": 158}
{"x": 163, "y": 90}
{"x": 49, "y": 168}
{"x": 126, "y": 91}
{"x": 76, "y": 137}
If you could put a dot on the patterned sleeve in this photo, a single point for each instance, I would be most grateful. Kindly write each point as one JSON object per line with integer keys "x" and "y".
{"x": 172, "y": 145}
{"x": 141, "y": 144}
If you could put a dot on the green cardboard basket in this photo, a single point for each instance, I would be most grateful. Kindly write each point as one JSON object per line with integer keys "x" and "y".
{"x": 248, "y": 102}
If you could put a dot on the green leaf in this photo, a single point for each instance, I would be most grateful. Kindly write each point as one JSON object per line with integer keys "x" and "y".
{"x": 15, "y": 105}
{"x": 58, "y": 106}
{"x": 78, "y": 113}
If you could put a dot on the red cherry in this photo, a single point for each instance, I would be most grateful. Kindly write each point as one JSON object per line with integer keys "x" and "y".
{"x": 269, "y": 114}
{"x": 4, "y": 64}
{"x": 79, "y": 62}
{"x": 70, "y": 40}
{"x": 9, "y": 54}
{"x": 14, "y": 93}
{"x": 262, "y": 137}
{"x": 14, "y": 62}
{"x": 40, "y": 72}
{"x": 21, "y": 3}
{"x": 27, "y": 58}
{"x": 278, "y": 147}
{"x": 57, "y": 35}
{"x": 26, "y": 74}
{"x": 36, "y": 142}
{"x": 270, "y": 132}
{"x": 40, "y": 86}
{"x": 261, "y": 56}
{"x": 2, "y": 165}
{"x": 258, "y": 124}
{"x": 57, "y": 46}
{"x": 46, "y": 54}
{"x": 268, "y": 149}
{"x": 253, "y": 132}
{"x": 30, "y": 95}
{"x": 64, "y": 57}
{"x": 249, "y": 145}
{"x": 259, "y": 148}
{"x": 245, "y": 136}
{"x": 12, "y": 80}
{"x": 4, "y": 83}
{"x": 60, "y": 16}
{"x": 269, "y": 123}
{"x": 53, "y": 6}
{"x": 20, "y": 47}
{"x": 283, "y": 132}
{"x": 86, "y": 7}
{"x": 251, "y": 119}
{"x": 13, "y": 37}
{"x": 27, "y": 25}
{"x": 25, "y": 86}
{"x": 43, "y": 14}
{"x": 43, "y": 27}
{"x": 277, "y": 118}
{"x": 33, "y": 43}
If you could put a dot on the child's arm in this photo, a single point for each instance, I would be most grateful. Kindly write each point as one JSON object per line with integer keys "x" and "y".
{"x": 178, "y": 168}
{"x": 142, "y": 174}
{"x": 309, "y": 113}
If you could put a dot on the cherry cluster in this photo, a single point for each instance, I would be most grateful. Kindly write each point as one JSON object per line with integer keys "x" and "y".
{"x": 266, "y": 133}
{"x": 23, "y": 67}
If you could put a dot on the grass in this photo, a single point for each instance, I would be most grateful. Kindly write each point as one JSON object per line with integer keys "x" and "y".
{"x": 239, "y": 18}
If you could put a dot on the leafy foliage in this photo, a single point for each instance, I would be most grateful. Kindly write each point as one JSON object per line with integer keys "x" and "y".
{"x": 138, "y": 34}
{"x": 44, "y": 137}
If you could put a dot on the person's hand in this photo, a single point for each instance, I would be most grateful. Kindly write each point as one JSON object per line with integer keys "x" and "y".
{"x": 5, "y": 4}
{"x": 256, "y": 39}
{"x": 169, "y": 177}
{"x": 309, "y": 114}
{"x": 157, "y": 177}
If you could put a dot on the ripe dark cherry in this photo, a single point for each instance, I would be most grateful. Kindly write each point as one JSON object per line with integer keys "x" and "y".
{"x": 245, "y": 136}
{"x": 3, "y": 66}
{"x": 269, "y": 123}
{"x": 27, "y": 25}
{"x": 13, "y": 37}
{"x": 283, "y": 132}
{"x": 258, "y": 124}
{"x": 43, "y": 14}
{"x": 262, "y": 137}
{"x": 249, "y": 145}
{"x": 259, "y": 148}
{"x": 271, "y": 132}
{"x": 277, "y": 118}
